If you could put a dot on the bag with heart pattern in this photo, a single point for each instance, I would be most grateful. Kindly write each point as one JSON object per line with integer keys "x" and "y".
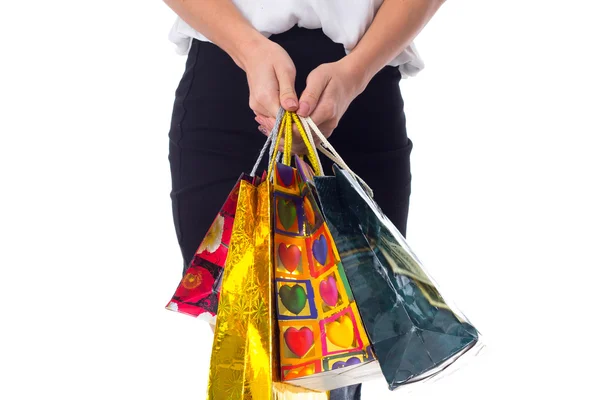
{"x": 323, "y": 343}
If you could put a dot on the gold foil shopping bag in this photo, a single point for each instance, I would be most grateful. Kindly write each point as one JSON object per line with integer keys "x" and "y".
{"x": 242, "y": 360}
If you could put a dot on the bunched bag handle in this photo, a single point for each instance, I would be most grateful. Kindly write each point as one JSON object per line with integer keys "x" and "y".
{"x": 306, "y": 127}
{"x": 283, "y": 129}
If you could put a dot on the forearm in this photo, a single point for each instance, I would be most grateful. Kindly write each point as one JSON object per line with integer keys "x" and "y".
{"x": 394, "y": 27}
{"x": 222, "y": 23}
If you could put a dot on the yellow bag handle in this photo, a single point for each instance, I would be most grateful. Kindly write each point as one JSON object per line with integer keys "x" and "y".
{"x": 285, "y": 131}
{"x": 277, "y": 140}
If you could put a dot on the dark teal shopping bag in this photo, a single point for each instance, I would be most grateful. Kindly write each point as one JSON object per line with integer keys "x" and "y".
{"x": 414, "y": 332}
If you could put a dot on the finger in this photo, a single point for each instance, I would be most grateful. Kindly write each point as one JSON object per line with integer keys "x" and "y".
{"x": 286, "y": 76}
{"x": 260, "y": 119}
{"x": 266, "y": 122}
{"x": 263, "y": 130}
{"x": 325, "y": 115}
{"x": 326, "y": 129}
{"x": 269, "y": 124}
{"x": 259, "y": 110}
{"x": 297, "y": 148}
{"x": 264, "y": 94}
{"x": 315, "y": 86}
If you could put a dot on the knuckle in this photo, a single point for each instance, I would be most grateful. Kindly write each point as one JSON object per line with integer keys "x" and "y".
{"x": 253, "y": 104}
{"x": 333, "y": 110}
{"x": 287, "y": 92}
{"x": 312, "y": 96}
{"x": 328, "y": 109}
{"x": 289, "y": 71}
{"x": 262, "y": 97}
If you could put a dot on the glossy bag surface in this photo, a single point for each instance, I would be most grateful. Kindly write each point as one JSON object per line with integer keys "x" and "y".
{"x": 242, "y": 363}
{"x": 322, "y": 340}
{"x": 415, "y": 333}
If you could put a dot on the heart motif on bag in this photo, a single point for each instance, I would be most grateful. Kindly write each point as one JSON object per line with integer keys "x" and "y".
{"x": 286, "y": 212}
{"x": 309, "y": 212}
{"x": 341, "y": 332}
{"x": 299, "y": 341}
{"x": 286, "y": 174}
{"x": 297, "y": 373}
{"x": 329, "y": 291}
{"x": 351, "y": 361}
{"x": 293, "y": 298}
{"x": 290, "y": 256}
{"x": 320, "y": 249}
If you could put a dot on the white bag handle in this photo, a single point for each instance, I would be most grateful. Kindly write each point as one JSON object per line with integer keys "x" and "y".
{"x": 327, "y": 149}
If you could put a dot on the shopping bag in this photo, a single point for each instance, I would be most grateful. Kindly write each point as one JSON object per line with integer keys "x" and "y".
{"x": 322, "y": 340}
{"x": 241, "y": 365}
{"x": 197, "y": 293}
{"x": 244, "y": 360}
{"x": 415, "y": 332}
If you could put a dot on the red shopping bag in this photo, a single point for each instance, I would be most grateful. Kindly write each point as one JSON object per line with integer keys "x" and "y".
{"x": 198, "y": 291}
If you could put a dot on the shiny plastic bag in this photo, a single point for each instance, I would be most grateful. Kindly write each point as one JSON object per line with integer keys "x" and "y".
{"x": 242, "y": 359}
{"x": 415, "y": 332}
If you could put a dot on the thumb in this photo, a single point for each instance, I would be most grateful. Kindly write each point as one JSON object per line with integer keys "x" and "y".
{"x": 315, "y": 85}
{"x": 287, "y": 92}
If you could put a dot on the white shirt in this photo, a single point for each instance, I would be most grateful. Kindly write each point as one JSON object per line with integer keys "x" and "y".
{"x": 343, "y": 21}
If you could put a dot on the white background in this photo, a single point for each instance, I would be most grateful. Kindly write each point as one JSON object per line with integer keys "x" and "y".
{"x": 504, "y": 210}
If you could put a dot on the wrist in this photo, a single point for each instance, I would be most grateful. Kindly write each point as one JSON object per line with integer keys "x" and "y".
{"x": 246, "y": 48}
{"x": 358, "y": 70}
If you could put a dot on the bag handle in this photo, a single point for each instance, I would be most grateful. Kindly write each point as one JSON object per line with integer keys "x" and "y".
{"x": 284, "y": 130}
{"x": 270, "y": 142}
{"x": 329, "y": 151}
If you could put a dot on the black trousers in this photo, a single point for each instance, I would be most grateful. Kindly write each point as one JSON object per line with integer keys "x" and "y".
{"x": 214, "y": 138}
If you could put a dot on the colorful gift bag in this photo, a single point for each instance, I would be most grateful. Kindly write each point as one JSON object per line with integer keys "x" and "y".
{"x": 198, "y": 291}
{"x": 415, "y": 333}
{"x": 323, "y": 344}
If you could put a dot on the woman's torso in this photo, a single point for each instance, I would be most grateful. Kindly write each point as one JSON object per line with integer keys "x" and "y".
{"x": 343, "y": 21}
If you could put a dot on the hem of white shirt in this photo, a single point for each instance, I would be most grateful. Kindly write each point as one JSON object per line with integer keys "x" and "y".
{"x": 409, "y": 62}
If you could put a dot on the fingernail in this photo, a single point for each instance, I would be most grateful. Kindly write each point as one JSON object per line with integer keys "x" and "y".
{"x": 262, "y": 129}
{"x": 304, "y": 109}
{"x": 290, "y": 103}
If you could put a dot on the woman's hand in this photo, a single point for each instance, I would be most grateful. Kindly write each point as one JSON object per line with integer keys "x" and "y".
{"x": 271, "y": 79}
{"x": 271, "y": 75}
{"x": 330, "y": 88}
{"x": 270, "y": 70}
